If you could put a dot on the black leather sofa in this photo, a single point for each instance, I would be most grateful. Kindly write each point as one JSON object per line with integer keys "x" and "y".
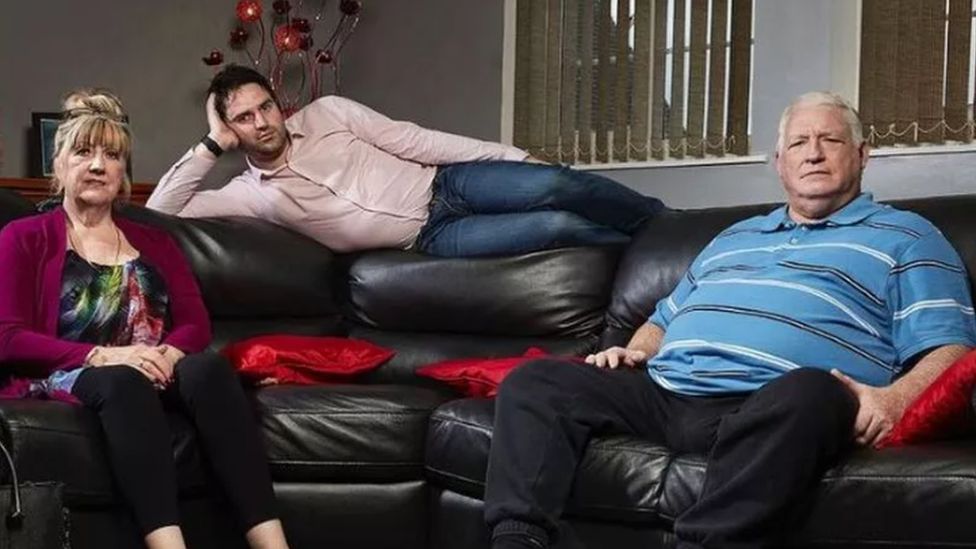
{"x": 397, "y": 461}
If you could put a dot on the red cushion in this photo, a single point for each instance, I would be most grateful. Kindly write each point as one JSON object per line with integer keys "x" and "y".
{"x": 304, "y": 359}
{"x": 943, "y": 410}
{"x": 477, "y": 377}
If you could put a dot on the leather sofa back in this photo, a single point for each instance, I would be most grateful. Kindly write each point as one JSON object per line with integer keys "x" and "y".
{"x": 259, "y": 278}
{"x": 666, "y": 246}
{"x": 13, "y": 206}
{"x": 255, "y": 277}
{"x": 430, "y": 309}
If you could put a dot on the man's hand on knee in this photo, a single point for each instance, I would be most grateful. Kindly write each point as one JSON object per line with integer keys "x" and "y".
{"x": 878, "y": 410}
{"x": 615, "y": 356}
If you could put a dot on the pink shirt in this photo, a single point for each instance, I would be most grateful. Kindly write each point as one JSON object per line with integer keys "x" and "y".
{"x": 353, "y": 178}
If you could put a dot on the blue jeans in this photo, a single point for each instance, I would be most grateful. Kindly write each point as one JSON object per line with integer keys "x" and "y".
{"x": 503, "y": 208}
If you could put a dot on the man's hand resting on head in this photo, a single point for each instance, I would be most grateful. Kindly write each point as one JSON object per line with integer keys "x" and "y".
{"x": 615, "y": 356}
{"x": 219, "y": 130}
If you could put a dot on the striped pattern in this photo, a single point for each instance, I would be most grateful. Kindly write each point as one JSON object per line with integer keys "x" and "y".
{"x": 864, "y": 291}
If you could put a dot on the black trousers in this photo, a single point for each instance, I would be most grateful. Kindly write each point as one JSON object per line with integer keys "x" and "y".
{"x": 765, "y": 449}
{"x": 137, "y": 434}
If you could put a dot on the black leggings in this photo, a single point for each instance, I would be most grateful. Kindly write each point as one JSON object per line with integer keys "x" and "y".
{"x": 206, "y": 391}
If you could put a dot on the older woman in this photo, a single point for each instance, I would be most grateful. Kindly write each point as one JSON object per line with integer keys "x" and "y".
{"x": 107, "y": 310}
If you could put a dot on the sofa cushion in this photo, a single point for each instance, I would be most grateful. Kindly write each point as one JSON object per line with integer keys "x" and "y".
{"x": 624, "y": 479}
{"x": 657, "y": 258}
{"x": 346, "y": 433}
{"x": 554, "y": 293}
{"x": 620, "y": 478}
{"x": 478, "y": 377}
{"x": 943, "y": 409}
{"x": 417, "y": 349}
{"x": 931, "y": 490}
{"x": 286, "y": 358}
{"x": 252, "y": 269}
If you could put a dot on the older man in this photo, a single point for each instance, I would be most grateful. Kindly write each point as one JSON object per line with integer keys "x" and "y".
{"x": 792, "y": 337}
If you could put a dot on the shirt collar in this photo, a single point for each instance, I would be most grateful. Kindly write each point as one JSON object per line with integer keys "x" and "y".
{"x": 260, "y": 174}
{"x": 855, "y": 211}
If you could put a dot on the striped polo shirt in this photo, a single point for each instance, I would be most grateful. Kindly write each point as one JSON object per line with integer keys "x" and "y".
{"x": 863, "y": 291}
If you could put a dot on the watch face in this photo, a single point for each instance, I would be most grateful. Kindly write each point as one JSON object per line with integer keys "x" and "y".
{"x": 211, "y": 145}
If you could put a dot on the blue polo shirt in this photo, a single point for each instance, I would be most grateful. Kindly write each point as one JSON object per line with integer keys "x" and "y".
{"x": 863, "y": 291}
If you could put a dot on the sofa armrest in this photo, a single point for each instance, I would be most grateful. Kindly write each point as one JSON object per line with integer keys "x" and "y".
{"x": 58, "y": 441}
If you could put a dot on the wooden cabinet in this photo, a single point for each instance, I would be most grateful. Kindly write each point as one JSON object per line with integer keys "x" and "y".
{"x": 39, "y": 189}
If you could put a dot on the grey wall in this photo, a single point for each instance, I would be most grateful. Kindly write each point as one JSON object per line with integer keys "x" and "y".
{"x": 437, "y": 62}
{"x": 406, "y": 58}
{"x": 148, "y": 52}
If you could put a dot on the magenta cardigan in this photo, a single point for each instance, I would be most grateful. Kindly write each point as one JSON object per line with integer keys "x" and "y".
{"x": 32, "y": 253}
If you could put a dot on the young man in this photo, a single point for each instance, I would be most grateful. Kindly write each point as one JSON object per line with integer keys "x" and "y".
{"x": 792, "y": 336}
{"x": 353, "y": 179}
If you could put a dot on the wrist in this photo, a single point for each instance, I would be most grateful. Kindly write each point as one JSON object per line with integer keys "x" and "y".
{"x": 95, "y": 357}
{"x": 226, "y": 139}
{"x": 212, "y": 145}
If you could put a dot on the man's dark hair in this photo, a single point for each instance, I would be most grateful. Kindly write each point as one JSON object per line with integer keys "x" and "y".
{"x": 232, "y": 77}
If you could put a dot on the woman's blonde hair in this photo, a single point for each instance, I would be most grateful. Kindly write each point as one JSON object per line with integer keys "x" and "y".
{"x": 93, "y": 117}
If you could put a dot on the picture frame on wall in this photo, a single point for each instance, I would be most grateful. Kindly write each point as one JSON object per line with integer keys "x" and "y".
{"x": 43, "y": 127}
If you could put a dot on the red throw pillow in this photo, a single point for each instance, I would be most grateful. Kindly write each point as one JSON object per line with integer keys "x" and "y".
{"x": 943, "y": 410}
{"x": 304, "y": 359}
{"x": 477, "y": 377}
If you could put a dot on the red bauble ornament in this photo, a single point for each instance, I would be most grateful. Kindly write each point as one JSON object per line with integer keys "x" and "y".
{"x": 249, "y": 11}
{"x": 215, "y": 58}
{"x": 350, "y": 7}
{"x": 286, "y": 38}
{"x": 323, "y": 56}
{"x": 306, "y": 42}
{"x": 238, "y": 37}
{"x": 281, "y": 7}
{"x": 301, "y": 25}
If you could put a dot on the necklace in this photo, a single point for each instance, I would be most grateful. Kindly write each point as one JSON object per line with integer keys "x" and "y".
{"x": 78, "y": 250}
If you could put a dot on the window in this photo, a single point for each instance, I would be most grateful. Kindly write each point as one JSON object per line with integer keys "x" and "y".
{"x": 617, "y": 81}
{"x": 916, "y": 71}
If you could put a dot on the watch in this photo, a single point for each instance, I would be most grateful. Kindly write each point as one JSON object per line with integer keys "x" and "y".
{"x": 212, "y": 145}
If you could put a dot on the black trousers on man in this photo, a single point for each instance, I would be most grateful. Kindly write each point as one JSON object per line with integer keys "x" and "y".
{"x": 132, "y": 413}
{"x": 765, "y": 449}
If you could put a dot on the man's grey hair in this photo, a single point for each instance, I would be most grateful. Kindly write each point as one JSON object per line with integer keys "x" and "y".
{"x": 822, "y": 99}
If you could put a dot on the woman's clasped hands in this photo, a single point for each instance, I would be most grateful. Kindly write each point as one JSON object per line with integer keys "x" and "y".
{"x": 156, "y": 362}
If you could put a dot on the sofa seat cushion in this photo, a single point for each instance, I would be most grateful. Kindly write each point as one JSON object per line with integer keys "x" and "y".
{"x": 346, "y": 433}
{"x": 911, "y": 496}
{"x": 620, "y": 477}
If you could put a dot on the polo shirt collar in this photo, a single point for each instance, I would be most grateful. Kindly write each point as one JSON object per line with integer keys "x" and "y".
{"x": 854, "y": 212}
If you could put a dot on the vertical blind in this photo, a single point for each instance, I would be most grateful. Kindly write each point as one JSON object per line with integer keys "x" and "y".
{"x": 599, "y": 81}
{"x": 915, "y": 68}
